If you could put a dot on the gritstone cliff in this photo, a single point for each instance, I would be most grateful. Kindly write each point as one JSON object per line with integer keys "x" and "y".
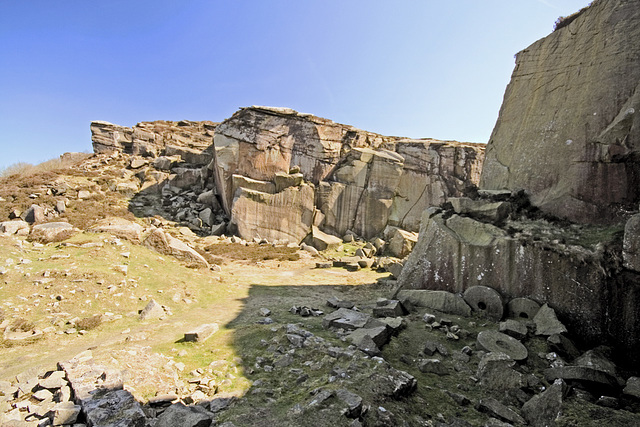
{"x": 569, "y": 127}
{"x": 278, "y": 174}
{"x": 567, "y": 140}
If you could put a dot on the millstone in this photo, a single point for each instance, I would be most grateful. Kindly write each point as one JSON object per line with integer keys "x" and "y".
{"x": 494, "y": 341}
{"x": 522, "y": 308}
{"x": 485, "y": 301}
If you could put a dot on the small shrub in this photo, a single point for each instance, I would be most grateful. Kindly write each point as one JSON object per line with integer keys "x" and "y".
{"x": 21, "y": 325}
{"x": 563, "y": 21}
{"x": 253, "y": 253}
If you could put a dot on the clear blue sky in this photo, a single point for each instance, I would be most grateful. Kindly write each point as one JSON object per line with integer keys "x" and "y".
{"x": 418, "y": 68}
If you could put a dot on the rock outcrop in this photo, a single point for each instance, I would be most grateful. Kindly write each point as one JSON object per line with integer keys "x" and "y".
{"x": 275, "y": 173}
{"x": 192, "y": 141}
{"x": 575, "y": 270}
{"x": 258, "y": 142}
{"x": 569, "y": 127}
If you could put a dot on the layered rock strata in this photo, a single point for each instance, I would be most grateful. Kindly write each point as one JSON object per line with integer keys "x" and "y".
{"x": 569, "y": 127}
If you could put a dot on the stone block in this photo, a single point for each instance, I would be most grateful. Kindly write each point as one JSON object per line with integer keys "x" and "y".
{"x": 201, "y": 333}
{"x": 443, "y": 301}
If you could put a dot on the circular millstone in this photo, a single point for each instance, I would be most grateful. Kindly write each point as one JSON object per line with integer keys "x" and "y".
{"x": 485, "y": 301}
{"x": 497, "y": 342}
{"x": 522, "y": 308}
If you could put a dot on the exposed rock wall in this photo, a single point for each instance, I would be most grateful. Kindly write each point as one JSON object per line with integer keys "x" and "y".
{"x": 456, "y": 252}
{"x": 433, "y": 171}
{"x": 360, "y": 197}
{"x": 258, "y": 142}
{"x": 568, "y": 134}
{"x": 569, "y": 127}
{"x": 363, "y": 181}
{"x": 287, "y": 215}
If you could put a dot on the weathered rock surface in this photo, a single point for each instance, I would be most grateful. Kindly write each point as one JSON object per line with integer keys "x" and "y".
{"x": 119, "y": 227}
{"x": 631, "y": 243}
{"x": 543, "y": 409}
{"x": 360, "y": 181}
{"x": 202, "y": 332}
{"x": 52, "y": 232}
{"x": 401, "y": 242}
{"x": 165, "y": 243}
{"x": 497, "y": 342}
{"x": 192, "y": 141}
{"x": 187, "y": 416}
{"x": 570, "y": 121}
{"x": 360, "y": 193}
{"x": 433, "y": 171}
{"x": 13, "y": 227}
{"x": 443, "y": 301}
{"x": 99, "y": 390}
{"x": 257, "y": 142}
{"x": 287, "y": 215}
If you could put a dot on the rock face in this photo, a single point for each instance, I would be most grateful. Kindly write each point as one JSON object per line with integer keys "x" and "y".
{"x": 566, "y": 145}
{"x": 574, "y": 94}
{"x": 257, "y": 142}
{"x": 284, "y": 215}
{"x": 455, "y": 253}
{"x": 362, "y": 181}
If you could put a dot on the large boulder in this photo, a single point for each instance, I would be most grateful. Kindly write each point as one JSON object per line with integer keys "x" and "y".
{"x": 166, "y": 244}
{"x": 401, "y": 242}
{"x": 119, "y": 227}
{"x": 284, "y": 215}
{"x": 52, "y": 232}
{"x": 569, "y": 126}
{"x": 14, "y": 227}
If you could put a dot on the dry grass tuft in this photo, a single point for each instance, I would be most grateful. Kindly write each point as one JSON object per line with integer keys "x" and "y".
{"x": 254, "y": 253}
{"x": 23, "y": 170}
{"x": 89, "y": 323}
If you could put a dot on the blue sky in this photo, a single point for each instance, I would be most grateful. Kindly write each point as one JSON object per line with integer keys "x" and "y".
{"x": 418, "y": 68}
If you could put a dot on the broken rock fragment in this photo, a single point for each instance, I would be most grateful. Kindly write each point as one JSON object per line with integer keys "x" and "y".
{"x": 547, "y": 322}
{"x": 348, "y": 319}
{"x": 543, "y": 409}
{"x": 201, "y": 333}
{"x": 152, "y": 310}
